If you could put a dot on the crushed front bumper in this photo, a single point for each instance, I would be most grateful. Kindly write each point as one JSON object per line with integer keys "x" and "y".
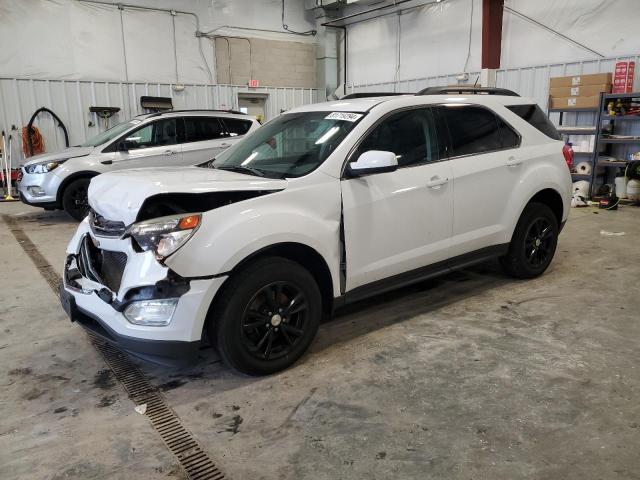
{"x": 102, "y": 276}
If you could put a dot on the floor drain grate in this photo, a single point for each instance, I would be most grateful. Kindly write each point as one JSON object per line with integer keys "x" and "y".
{"x": 178, "y": 439}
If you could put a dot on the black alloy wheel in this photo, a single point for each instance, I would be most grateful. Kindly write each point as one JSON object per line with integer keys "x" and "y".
{"x": 274, "y": 320}
{"x": 265, "y": 316}
{"x": 75, "y": 199}
{"x": 533, "y": 243}
{"x": 538, "y": 243}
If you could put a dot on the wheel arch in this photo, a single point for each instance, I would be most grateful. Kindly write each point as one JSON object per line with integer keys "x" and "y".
{"x": 300, "y": 253}
{"x": 551, "y": 198}
{"x": 71, "y": 178}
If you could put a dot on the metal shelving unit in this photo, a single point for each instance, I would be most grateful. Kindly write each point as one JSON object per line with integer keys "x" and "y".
{"x": 578, "y": 131}
{"x": 611, "y": 143}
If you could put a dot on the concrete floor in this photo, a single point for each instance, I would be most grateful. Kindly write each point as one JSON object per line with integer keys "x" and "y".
{"x": 471, "y": 376}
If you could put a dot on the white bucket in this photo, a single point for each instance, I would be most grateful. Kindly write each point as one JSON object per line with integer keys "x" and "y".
{"x": 621, "y": 187}
{"x": 633, "y": 190}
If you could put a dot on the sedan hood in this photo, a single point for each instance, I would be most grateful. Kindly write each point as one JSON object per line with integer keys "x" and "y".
{"x": 69, "y": 152}
{"x": 119, "y": 195}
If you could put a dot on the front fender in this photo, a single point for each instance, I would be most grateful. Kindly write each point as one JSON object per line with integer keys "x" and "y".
{"x": 306, "y": 214}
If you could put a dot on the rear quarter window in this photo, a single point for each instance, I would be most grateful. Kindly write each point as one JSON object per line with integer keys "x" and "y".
{"x": 237, "y": 127}
{"x": 535, "y": 117}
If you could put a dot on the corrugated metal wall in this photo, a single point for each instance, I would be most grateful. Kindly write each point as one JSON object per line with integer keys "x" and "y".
{"x": 527, "y": 81}
{"x": 530, "y": 82}
{"x": 70, "y": 100}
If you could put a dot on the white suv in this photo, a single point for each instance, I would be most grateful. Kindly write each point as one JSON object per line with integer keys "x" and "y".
{"x": 325, "y": 205}
{"x": 177, "y": 137}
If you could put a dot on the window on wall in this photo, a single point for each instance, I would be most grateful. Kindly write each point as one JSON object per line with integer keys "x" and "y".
{"x": 410, "y": 134}
{"x": 475, "y": 130}
{"x": 198, "y": 129}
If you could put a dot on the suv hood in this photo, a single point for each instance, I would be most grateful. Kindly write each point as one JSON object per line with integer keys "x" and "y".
{"x": 69, "y": 152}
{"x": 119, "y": 195}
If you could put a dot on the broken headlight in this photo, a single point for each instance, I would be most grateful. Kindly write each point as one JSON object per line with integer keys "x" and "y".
{"x": 165, "y": 235}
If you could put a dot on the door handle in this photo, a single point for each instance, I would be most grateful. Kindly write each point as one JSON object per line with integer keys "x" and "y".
{"x": 106, "y": 162}
{"x": 513, "y": 162}
{"x": 169, "y": 152}
{"x": 225, "y": 145}
{"x": 436, "y": 182}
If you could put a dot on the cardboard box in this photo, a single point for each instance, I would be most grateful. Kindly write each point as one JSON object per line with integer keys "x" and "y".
{"x": 579, "y": 80}
{"x": 581, "y": 91}
{"x": 575, "y": 102}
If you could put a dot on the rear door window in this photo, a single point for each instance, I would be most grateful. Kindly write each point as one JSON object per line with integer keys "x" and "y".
{"x": 534, "y": 115}
{"x": 236, "y": 127}
{"x": 476, "y": 130}
{"x": 198, "y": 129}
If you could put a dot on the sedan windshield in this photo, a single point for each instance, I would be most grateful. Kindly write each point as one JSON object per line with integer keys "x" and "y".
{"x": 292, "y": 145}
{"x": 110, "y": 134}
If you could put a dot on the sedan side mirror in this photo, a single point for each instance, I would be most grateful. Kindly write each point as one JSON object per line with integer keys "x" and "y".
{"x": 373, "y": 161}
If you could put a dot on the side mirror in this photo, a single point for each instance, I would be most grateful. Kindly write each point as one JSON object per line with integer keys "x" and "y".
{"x": 373, "y": 161}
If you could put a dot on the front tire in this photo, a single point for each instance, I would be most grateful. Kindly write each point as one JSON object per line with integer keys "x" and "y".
{"x": 75, "y": 200}
{"x": 266, "y": 316}
{"x": 533, "y": 244}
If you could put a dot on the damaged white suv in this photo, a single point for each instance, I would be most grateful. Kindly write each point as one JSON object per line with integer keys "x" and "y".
{"x": 325, "y": 205}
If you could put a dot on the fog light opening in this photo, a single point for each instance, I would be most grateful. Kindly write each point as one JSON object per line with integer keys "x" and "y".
{"x": 151, "y": 313}
{"x": 36, "y": 191}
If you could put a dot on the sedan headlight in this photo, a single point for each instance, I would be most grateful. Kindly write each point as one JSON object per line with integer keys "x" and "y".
{"x": 165, "y": 235}
{"x": 44, "y": 167}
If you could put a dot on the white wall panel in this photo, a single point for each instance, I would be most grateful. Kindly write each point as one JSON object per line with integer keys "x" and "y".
{"x": 434, "y": 39}
{"x": 70, "y": 100}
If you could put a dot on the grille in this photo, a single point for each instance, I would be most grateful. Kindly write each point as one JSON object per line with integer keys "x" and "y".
{"x": 102, "y": 266}
{"x": 105, "y": 228}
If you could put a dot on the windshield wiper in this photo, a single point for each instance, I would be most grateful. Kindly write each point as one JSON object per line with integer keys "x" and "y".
{"x": 242, "y": 169}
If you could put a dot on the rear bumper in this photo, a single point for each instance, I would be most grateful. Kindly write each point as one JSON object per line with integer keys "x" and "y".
{"x": 164, "y": 352}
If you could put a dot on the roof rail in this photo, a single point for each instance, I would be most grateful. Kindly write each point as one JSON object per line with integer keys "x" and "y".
{"x": 467, "y": 90}
{"x": 374, "y": 94}
{"x": 204, "y": 110}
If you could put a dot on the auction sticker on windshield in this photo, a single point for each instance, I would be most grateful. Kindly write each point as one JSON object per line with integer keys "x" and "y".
{"x": 346, "y": 116}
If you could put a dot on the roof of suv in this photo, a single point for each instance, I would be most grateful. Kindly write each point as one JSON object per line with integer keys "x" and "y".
{"x": 367, "y": 103}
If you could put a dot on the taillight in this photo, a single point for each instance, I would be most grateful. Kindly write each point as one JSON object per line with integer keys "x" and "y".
{"x": 567, "y": 151}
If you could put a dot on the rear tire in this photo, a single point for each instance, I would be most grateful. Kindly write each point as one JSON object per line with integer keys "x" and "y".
{"x": 74, "y": 198}
{"x": 533, "y": 243}
{"x": 266, "y": 316}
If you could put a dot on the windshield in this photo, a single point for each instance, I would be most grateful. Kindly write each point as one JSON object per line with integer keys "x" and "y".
{"x": 110, "y": 134}
{"x": 291, "y": 145}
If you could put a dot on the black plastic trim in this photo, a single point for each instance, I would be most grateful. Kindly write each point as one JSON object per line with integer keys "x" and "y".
{"x": 423, "y": 273}
{"x": 46, "y": 205}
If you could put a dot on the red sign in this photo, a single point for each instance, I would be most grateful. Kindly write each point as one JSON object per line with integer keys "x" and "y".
{"x": 254, "y": 84}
